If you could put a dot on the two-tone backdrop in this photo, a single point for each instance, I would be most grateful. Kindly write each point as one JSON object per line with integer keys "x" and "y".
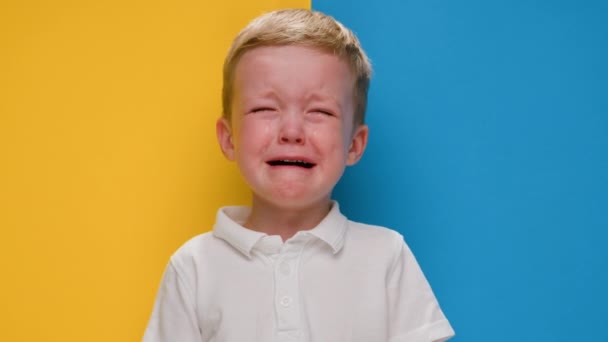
{"x": 488, "y": 151}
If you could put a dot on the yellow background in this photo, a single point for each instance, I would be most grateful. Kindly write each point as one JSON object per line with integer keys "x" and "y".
{"x": 108, "y": 155}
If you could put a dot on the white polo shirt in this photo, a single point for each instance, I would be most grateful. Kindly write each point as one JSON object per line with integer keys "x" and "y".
{"x": 342, "y": 281}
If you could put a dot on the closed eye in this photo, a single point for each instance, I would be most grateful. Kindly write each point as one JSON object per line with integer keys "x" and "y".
{"x": 324, "y": 111}
{"x": 261, "y": 109}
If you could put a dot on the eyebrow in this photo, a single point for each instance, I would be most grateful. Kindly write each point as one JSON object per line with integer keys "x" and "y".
{"x": 269, "y": 94}
{"x": 321, "y": 98}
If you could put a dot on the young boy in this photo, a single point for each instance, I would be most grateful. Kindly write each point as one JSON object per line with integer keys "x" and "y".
{"x": 292, "y": 267}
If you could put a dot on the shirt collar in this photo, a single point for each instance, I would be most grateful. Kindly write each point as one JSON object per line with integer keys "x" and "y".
{"x": 228, "y": 227}
{"x": 332, "y": 229}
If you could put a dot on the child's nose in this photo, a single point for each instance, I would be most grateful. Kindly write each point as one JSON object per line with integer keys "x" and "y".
{"x": 292, "y": 129}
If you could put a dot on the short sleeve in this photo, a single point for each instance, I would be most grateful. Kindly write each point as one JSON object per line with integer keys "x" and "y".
{"x": 174, "y": 315}
{"x": 414, "y": 313}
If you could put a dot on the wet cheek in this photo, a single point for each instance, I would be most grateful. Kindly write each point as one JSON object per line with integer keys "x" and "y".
{"x": 322, "y": 132}
{"x": 267, "y": 128}
{"x": 327, "y": 140}
{"x": 256, "y": 136}
{"x": 314, "y": 133}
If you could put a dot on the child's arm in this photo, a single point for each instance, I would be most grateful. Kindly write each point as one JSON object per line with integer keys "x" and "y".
{"x": 414, "y": 313}
{"x": 174, "y": 316}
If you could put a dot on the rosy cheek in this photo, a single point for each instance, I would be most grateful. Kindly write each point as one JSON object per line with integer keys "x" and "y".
{"x": 256, "y": 134}
{"x": 267, "y": 128}
{"x": 314, "y": 132}
{"x": 326, "y": 139}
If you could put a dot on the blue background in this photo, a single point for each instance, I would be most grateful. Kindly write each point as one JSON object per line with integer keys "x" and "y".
{"x": 489, "y": 152}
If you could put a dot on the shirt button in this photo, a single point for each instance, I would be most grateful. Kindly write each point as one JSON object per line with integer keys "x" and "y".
{"x": 285, "y": 269}
{"x": 286, "y": 301}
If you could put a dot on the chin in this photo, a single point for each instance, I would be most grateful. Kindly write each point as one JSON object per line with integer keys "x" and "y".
{"x": 290, "y": 199}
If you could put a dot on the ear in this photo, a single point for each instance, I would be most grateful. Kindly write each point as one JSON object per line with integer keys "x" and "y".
{"x": 357, "y": 145}
{"x": 224, "y": 137}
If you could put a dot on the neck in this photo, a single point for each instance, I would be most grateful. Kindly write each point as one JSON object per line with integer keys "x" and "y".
{"x": 271, "y": 219}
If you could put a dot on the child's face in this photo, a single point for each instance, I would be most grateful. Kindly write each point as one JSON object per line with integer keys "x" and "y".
{"x": 291, "y": 131}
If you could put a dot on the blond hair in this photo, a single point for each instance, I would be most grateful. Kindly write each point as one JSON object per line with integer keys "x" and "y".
{"x": 306, "y": 28}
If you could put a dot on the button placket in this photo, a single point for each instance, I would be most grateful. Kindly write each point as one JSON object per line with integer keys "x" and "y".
{"x": 289, "y": 336}
{"x": 285, "y": 268}
{"x": 287, "y": 292}
{"x": 286, "y": 300}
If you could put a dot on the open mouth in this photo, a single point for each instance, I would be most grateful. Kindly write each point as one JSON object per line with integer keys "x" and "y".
{"x": 290, "y": 162}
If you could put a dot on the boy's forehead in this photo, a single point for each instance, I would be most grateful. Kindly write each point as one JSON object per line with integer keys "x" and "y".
{"x": 276, "y": 52}
{"x": 286, "y": 59}
{"x": 321, "y": 73}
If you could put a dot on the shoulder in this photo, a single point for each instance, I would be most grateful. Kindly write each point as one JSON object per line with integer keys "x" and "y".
{"x": 374, "y": 233}
{"x": 197, "y": 252}
{"x": 376, "y": 241}
{"x": 193, "y": 246}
